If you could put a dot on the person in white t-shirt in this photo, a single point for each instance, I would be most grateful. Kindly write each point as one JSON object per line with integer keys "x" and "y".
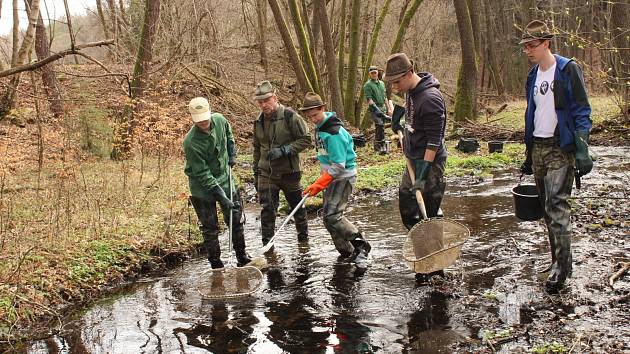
{"x": 557, "y": 125}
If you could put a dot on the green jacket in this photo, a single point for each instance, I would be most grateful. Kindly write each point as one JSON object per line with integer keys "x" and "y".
{"x": 286, "y": 127}
{"x": 207, "y": 156}
{"x": 375, "y": 90}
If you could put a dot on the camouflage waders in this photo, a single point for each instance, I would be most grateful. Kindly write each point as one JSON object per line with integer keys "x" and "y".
{"x": 206, "y": 211}
{"x": 553, "y": 173}
{"x": 345, "y": 235}
{"x": 269, "y": 194}
{"x": 433, "y": 194}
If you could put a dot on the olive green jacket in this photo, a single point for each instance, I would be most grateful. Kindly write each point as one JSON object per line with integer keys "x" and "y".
{"x": 285, "y": 128}
{"x": 207, "y": 156}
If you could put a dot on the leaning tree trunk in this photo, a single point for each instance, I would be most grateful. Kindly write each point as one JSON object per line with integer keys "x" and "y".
{"x": 309, "y": 63}
{"x": 8, "y": 99}
{"x": 331, "y": 60}
{"x": 353, "y": 61}
{"x": 294, "y": 58}
{"x": 51, "y": 85}
{"x": 122, "y": 139}
{"x": 492, "y": 54}
{"x": 404, "y": 24}
{"x": 342, "y": 45}
{"x": 466, "y": 82}
{"x": 262, "y": 37}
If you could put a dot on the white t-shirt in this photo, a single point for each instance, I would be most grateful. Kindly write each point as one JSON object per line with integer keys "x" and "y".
{"x": 545, "y": 118}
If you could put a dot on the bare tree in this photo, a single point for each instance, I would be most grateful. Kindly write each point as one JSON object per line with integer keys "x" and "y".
{"x": 353, "y": 60}
{"x": 331, "y": 59}
{"x": 466, "y": 81}
{"x": 261, "y": 12}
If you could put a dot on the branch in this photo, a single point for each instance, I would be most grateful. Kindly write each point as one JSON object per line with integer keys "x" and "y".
{"x": 56, "y": 56}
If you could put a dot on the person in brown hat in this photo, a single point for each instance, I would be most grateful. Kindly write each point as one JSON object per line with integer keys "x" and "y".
{"x": 379, "y": 107}
{"x": 335, "y": 152}
{"x": 557, "y": 126}
{"x": 210, "y": 151}
{"x": 280, "y": 134}
{"x": 423, "y": 139}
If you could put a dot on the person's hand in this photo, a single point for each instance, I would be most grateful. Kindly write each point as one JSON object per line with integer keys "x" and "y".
{"x": 319, "y": 185}
{"x": 421, "y": 169}
{"x": 220, "y": 196}
{"x": 583, "y": 161}
{"x": 526, "y": 166}
{"x": 232, "y": 161}
{"x": 278, "y": 152}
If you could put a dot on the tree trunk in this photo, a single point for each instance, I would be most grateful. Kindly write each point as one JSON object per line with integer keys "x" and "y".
{"x": 342, "y": 46}
{"x": 466, "y": 82}
{"x": 8, "y": 99}
{"x": 51, "y": 87}
{"x": 261, "y": 12}
{"x": 353, "y": 61}
{"x": 300, "y": 74}
{"x": 404, "y": 23}
{"x": 145, "y": 50}
{"x": 101, "y": 16}
{"x": 311, "y": 71}
{"x": 331, "y": 60}
{"x": 620, "y": 58}
{"x": 492, "y": 55}
{"x": 16, "y": 34}
{"x": 370, "y": 53}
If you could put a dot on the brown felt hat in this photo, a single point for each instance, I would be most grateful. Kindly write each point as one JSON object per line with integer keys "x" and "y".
{"x": 535, "y": 30}
{"x": 397, "y": 65}
{"x": 264, "y": 89}
{"x": 311, "y": 100}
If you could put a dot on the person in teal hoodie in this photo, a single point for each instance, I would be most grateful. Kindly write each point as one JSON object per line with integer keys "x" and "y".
{"x": 210, "y": 152}
{"x": 335, "y": 152}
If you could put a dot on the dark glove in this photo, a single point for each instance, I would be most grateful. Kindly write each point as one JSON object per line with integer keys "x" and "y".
{"x": 583, "y": 161}
{"x": 399, "y": 112}
{"x": 232, "y": 161}
{"x": 526, "y": 166}
{"x": 421, "y": 169}
{"x": 377, "y": 113}
{"x": 219, "y": 194}
{"x": 276, "y": 153}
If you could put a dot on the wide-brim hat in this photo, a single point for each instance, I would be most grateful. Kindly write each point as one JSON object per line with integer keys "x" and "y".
{"x": 199, "y": 109}
{"x": 311, "y": 100}
{"x": 535, "y": 30}
{"x": 264, "y": 89}
{"x": 397, "y": 65}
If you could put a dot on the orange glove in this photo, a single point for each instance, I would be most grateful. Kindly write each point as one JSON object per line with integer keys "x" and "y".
{"x": 319, "y": 185}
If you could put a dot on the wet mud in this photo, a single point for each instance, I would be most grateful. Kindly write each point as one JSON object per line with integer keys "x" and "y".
{"x": 491, "y": 300}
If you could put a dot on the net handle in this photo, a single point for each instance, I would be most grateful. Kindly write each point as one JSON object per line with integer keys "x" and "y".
{"x": 269, "y": 244}
{"x": 419, "y": 198}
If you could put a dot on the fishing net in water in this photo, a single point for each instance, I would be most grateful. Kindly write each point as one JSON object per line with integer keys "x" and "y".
{"x": 434, "y": 244}
{"x": 229, "y": 282}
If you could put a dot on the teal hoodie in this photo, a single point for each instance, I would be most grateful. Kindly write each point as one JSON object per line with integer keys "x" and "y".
{"x": 335, "y": 148}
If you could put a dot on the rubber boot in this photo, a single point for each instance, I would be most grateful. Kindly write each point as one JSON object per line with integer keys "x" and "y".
{"x": 301, "y": 224}
{"x": 211, "y": 242}
{"x": 242, "y": 258}
{"x": 269, "y": 202}
{"x": 563, "y": 267}
{"x": 540, "y": 186}
{"x": 361, "y": 250}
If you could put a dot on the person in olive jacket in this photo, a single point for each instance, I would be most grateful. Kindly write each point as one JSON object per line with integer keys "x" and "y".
{"x": 210, "y": 152}
{"x": 280, "y": 134}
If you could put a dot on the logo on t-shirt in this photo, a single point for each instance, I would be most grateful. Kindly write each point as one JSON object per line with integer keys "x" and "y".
{"x": 544, "y": 88}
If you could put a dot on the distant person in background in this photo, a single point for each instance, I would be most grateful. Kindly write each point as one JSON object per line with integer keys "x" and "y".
{"x": 379, "y": 107}
{"x": 280, "y": 134}
{"x": 557, "y": 126}
{"x": 335, "y": 152}
{"x": 210, "y": 152}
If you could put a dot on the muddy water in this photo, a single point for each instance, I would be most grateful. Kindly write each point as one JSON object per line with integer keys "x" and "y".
{"x": 312, "y": 303}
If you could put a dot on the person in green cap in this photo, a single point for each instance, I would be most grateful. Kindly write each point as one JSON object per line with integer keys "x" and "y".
{"x": 210, "y": 151}
{"x": 557, "y": 126}
{"x": 379, "y": 107}
{"x": 335, "y": 152}
{"x": 280, "y": 134}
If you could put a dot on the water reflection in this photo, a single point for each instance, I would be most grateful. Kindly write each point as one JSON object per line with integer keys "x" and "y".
{"x": 428, "y": 327}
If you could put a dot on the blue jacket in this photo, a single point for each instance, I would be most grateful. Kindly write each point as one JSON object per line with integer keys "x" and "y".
{"x": 570, "y": 99}
{"x": 335, "y": 148}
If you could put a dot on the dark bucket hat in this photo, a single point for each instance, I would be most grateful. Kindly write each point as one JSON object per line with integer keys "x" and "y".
{"x": 311, "y": 100}
{"x": 535, "y": 30}
{"x": 397, "y": 65}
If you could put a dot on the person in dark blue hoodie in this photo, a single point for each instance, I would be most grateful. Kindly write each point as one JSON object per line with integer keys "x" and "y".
{"x": 557, "y": 126}
{"x": 423, "y": 140}
{"x": 335, "y": 152}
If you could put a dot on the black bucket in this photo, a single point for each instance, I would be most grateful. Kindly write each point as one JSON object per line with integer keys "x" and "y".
{"x": 495, "y": 146}
{"x": 467, "y": 145}
{"x": 527, "y": 206}
{"x": 358, "y": 140}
